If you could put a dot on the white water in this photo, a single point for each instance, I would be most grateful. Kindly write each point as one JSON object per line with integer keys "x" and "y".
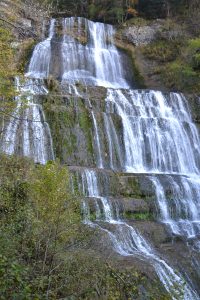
{"x": 97, "y": 140}
{"x": 127, "y": 241}
{"x": 158, "y": 132}
{"x": 114, "y": 147}
{"x": 96, "y": 60}
{"x": 27, "y": 132}
{"x": 160, "y": 137}
{"x": 181, "y": 210}
{"x": 40, "y": 61}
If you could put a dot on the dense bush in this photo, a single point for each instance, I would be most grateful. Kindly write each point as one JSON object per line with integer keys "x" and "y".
{"x": 43, "y": 245}
{"x": 162, "y": 50}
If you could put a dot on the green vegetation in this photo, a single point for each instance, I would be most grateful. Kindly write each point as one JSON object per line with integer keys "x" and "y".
{"x": 114, "y": 11}
{"x": 162, "y": 50}
{"x": 45, "y": 251}
{"x": 43, "y": 245}
{"x": 39, "y": 218}
{"x": 177, "y": 62}
{"x": 7, "y": 68}
{"x": 141, "y": 216}
{"x": 26, "y": 49}
{"x": 184, "y": 72}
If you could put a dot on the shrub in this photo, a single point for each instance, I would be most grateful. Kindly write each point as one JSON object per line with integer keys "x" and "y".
{"x": 162, "y": 51}
{"x": 193, "y": 53}
{"x": 180, "y": 76}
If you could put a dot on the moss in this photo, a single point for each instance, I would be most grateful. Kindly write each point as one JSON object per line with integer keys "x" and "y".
{"x": 162, "y": 50}
{"x": 192, "y": 53}
{"x": 138, "y": 78}
{"x": 86, "y": 126}
{"x": 59, "y": 121}
{"x": 26, "y": 50}
{"x": 176, "y": 63}
{"x": 137, "y": 21}
{"x": 142, "y": 216}
{"x": 130, "y": 52}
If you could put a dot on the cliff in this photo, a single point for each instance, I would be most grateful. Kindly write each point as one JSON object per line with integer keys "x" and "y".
{"x": 100, "y": 177}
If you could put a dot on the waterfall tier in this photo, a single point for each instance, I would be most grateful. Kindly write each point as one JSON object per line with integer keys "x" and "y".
{"x": 86, "y": 53}
{"x": 144, "y": 136}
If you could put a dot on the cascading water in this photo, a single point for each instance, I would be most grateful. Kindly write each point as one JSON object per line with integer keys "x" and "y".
{"x": 27, "y": 132}
{"x": 181, "y": 209}
{"x": 159, "y": 137}
{"x": 127, "y": 241}
{"x": 158, "y": 132}
{"x": 40, "y": 61}
{"x": 96, "y": 60}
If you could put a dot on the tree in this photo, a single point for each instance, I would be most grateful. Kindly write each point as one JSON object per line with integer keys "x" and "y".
{"x": 55, "y": 215}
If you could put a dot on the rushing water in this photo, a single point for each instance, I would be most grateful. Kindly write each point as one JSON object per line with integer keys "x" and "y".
{"x": 127, "y": 241}
{"x": 158, "y": 135}
{"x": 158, "y": 132}
{"x": 27, "y": 132}
{"x": 96, "y": 60}
{"x": 40, "y": 61}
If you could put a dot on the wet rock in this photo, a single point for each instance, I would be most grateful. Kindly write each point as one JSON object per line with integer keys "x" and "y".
{"x": 133, "y": 205}
{"x": 155, "y": 232}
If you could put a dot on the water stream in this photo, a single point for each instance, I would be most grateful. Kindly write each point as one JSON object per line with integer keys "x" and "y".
{"x": 127, "y": 241}
{"x": 158, "y": 134}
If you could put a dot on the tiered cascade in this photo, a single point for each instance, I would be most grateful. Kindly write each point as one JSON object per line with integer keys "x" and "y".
{"x": 96, "y": 60}
{"x": 156, "y": 136}
{"x": 27, "y": 132}
{"x": 126, "y": 240}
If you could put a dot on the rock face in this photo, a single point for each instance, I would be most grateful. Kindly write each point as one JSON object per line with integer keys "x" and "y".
{"x": 141, "y": 35}
{"x": 130, "y": 152}
{"x": 133, "y": 194}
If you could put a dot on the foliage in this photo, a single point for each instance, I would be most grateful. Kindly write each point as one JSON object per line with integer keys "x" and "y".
{"x": 193, "y": 53}
{"x": 181, "y": 76}
{"x": 43, "y": 249}
{"x": 162, "y": 50}
{"x": 183, "y": 72}
{"x": 39, "y": 217}
{"x": 176, "y": 60}
{"x": 112, "y": 11}
{"x": 7, "y": 69}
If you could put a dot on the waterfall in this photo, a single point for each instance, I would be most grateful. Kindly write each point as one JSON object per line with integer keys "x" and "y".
{"x": 93, "y": 59}
{"x": 40, "y": 61}
{"x": 127, "y": 241}
{"x": 181, "y": 210}
{"x": 27, "y": 132}
{"x": 160, "y": 138}
{"x": 156, "y": 136}
{"x": 97, "y": 139}
{"x": 158, "y": 132}
{"x": 115, "y": 151}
